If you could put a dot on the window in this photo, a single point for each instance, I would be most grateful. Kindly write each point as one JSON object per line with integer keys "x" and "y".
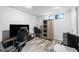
{"x": 59, "y": 16}
{"x": 51, "y": 17}
{"x": 56, "y": 16}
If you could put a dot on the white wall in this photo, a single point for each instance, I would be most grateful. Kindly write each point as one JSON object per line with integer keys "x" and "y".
{"x": 61, "y": 25}
{"x": 78, "y": 20}
{"x": 68, "y": 24}
{"x": 12, "y": 16}
{"x": 40, "y": 20}
{"x": 73, "y": 21}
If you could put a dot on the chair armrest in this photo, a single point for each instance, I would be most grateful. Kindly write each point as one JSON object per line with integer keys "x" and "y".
{"x": 21, "y": 43}
{"x": 8, "y": 41}
{"x": 12, "y": 39}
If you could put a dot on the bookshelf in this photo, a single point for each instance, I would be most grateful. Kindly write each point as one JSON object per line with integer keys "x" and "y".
{"x": 48, "y": 30}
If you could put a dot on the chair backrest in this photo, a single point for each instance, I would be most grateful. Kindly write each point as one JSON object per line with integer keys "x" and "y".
{"x": 36, "y": 30}
{"x": 22, "y": 34}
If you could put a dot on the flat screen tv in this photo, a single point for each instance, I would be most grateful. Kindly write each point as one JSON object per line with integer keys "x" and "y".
{"x": 14, "y": 28}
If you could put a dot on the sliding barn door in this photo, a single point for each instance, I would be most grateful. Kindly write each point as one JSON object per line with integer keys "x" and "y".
{"x": 50, "y": 29}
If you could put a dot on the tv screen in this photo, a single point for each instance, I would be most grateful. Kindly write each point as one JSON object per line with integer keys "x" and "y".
{"x": 14, "y": 28}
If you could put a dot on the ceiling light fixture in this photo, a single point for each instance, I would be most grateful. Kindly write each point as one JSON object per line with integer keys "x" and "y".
{"x": 28, "y": 7}
{"x": 57, "y": 7}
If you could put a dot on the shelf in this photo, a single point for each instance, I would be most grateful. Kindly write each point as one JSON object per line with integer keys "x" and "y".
{"x": 44, "y": 37}
{"x": 45, "y": 24}
{"x": 45, "y": 28}
{"x": 44, "y": 33}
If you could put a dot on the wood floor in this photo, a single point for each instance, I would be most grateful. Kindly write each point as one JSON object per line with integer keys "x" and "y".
{"x": 38, "y": 45}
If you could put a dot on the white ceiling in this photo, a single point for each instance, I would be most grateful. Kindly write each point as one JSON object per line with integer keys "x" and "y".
{"x": 42, "y": 10}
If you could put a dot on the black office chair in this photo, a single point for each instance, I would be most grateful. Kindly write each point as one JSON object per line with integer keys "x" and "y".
{"x": 37, "y": 32}
{"x": 21, "y": 38}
